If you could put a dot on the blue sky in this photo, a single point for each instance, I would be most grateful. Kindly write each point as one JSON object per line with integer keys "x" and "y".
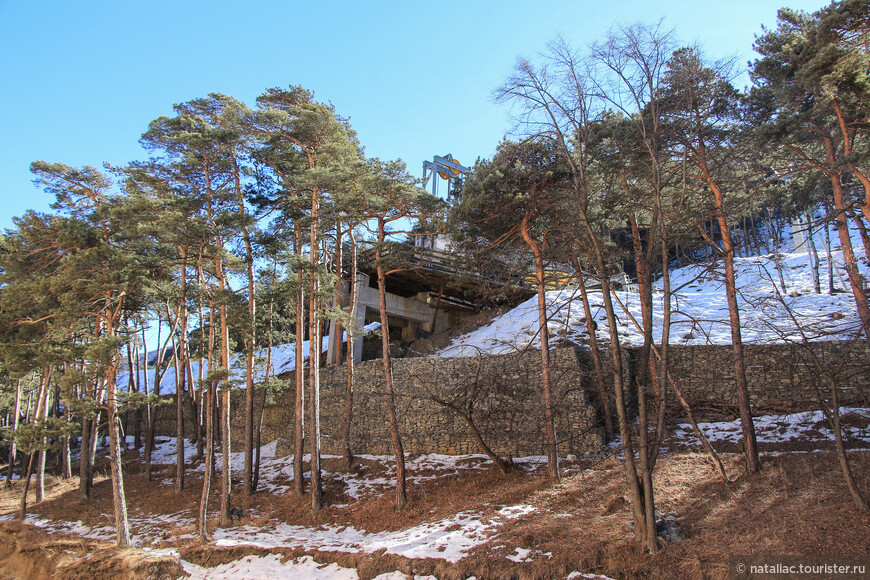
{"x": 81, "y": 80}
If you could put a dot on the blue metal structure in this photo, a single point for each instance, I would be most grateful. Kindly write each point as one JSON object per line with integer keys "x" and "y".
{"x": 445, "y": 167}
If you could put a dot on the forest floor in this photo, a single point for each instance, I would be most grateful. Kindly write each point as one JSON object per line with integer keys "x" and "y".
{"x": 464, "y": 518}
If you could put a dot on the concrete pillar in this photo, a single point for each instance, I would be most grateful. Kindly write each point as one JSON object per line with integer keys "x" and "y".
{"x": 333, "y": 351}
{"x": 359, "y": 314}
{"x": 799, "y": 234}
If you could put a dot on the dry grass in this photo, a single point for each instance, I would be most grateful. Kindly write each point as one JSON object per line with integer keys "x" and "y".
{"x": 28, "y": 552}
{"x": 797, "y": 505}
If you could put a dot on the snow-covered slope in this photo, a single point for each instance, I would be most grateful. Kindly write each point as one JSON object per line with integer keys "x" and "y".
{"x": 283, "y": 359}
{"x": 768, "y": 312}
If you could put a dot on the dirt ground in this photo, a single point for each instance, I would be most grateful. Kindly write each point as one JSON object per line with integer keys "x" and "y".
{"x": 797, "y": 505}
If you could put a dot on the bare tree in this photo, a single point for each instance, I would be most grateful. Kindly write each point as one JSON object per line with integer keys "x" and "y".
{"x": 556, "y": 102}
{"x": 827, "y": 373}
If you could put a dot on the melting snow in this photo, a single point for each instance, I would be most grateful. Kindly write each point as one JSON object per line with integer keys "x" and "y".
{"x": 700, "y": 310}
{"x": 810, "y": 426}
{"x": 700, "y": 317}
{"x": 449, "y": 539}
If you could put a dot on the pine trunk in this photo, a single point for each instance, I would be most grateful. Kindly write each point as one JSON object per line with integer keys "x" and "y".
{"x": 209, "y": 439}
{"x": 314, "y": 347}
{"x": 750, "y": 446}
{"x": 84, "y": 460}
{"x": 122, "y": 525}
{"x": 15, "y": 416}
{"x": 352, "y": 310}
{"x": 149, "y": 438}
{"x": 849, "y": 259}
{"x": 226, "y": 475}
{"x": 43, "y": 416}
{"x": 299, "y": 400}
{"x": 543, "y": 330}
{"x": 857, "y": 497}
{"x": 398, "y": 450}
{"x": 41, "y": 394}
{"x": 598, "y": 367}
{"x": 208, "y": 467}
{"x": 813, "y": 253}
{"x": 664, "y": 352}
{"x": 179, "y": 423}
{"x": 250, "y": 343}
{"x": 181, "y": 364}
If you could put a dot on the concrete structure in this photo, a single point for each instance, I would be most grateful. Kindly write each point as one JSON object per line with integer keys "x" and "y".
{"x": 408, "y": 313}
{"x": 426, "y": 295}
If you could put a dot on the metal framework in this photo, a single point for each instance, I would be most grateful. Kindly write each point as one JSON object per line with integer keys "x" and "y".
{"x": 445, "y": 167}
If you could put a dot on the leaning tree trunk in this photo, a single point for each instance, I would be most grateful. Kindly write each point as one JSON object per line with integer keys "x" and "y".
{"x": 851, "y": 262}
{"x": 122, "y": 525}
{"x": 503, "y": 466}
{"x": 22, "y": 503}
{"x": 598, "y": 367}
{"x": 40, "y": 478}
{"x": 629, "y": 466}
{"x": 750, "y": 446}
{"x": 862, "y": 229}
{"x": 40, "y": 473}
{"x": 552, "y": 457}
{"x": 857, "y": 497}
{"x": 42, "y": 393}
{"x": 714, "y": 457}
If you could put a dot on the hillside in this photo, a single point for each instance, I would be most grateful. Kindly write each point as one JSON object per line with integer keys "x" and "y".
{"x": 467, "y": 520}
{"x": 768, "y": 312}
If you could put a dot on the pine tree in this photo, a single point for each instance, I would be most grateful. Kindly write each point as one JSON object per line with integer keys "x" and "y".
{"x": 810, "y": 99}
{"x": 313, "y": 153}
{"x": 701, "y": 110}
{"x": 201, "y": 162}
{"x": 513, "y": 197}
{"x": 95, "y": 266}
